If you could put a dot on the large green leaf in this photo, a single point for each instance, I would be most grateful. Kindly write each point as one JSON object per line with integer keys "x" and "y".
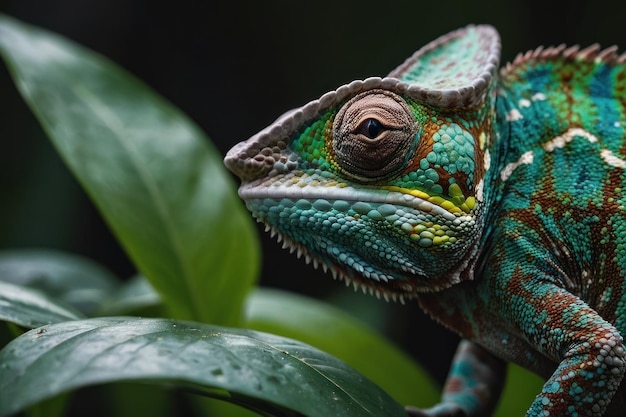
{"x": 151, "y": 172}
{"x": 334, "y": 331}
{"x": 30, "y": 308}
{"x": 265, "y": 372}
{"x": 68, "y": 278}
{"x": 133, "y": 297}
{"x": 323, "y": 326}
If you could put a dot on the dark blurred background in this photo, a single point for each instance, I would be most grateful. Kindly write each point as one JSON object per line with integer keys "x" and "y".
{"x": 234, "y": 67}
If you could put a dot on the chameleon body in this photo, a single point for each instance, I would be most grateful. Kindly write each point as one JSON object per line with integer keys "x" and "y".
{"x": 494, "y": 197}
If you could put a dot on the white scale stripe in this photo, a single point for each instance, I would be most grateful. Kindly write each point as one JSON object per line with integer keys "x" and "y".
{"x": 526, "y": 159}
{"x": 561, "y": 140}
{"x": 610, "y": 158}
{"x": 513, "y": 115}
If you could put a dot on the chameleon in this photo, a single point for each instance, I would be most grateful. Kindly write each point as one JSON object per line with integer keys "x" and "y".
{"x": 493, "y": 196}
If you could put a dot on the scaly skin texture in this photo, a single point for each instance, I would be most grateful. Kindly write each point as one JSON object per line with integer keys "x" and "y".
{"x": 494, "y": 200}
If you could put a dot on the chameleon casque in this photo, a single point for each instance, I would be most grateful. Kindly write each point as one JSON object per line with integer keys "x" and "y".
{"x": 494, "y": 197}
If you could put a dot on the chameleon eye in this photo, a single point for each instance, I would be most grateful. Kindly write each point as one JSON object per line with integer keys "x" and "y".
{"x": 372, "y": 135}
{"x": 370, "y": 128}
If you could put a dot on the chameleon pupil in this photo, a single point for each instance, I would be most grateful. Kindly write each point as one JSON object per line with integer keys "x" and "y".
{"x": 370, "y": 128}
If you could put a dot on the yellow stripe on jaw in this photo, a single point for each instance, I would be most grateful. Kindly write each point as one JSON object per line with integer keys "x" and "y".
{"x": 457, "y": 203}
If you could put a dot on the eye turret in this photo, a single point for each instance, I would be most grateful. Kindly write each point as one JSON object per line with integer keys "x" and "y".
{"x": 372, "y": 134}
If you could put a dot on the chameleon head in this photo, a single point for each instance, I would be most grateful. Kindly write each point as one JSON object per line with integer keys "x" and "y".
{"x": 381, "y": 180}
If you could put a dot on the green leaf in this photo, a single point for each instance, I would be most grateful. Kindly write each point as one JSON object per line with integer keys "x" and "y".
{"x": 336, "y": 332}
{"x": 154, "y": 176}
{"x": 67, "y": 278}
{"x": 30, "y": 308}
{"x": 276, "y": 375}
{"x": 133, "y": 296}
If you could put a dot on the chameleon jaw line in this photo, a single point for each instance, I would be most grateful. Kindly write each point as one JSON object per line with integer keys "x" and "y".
{"x": 312, "y": 193}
